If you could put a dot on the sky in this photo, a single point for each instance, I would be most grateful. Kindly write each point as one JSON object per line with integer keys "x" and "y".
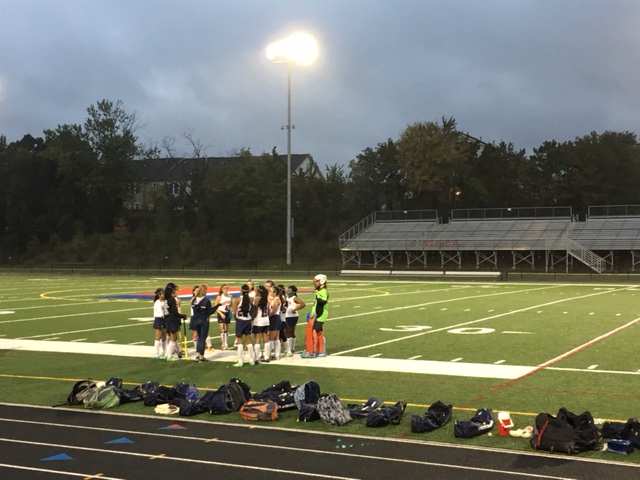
{"x": 519, "y": 71}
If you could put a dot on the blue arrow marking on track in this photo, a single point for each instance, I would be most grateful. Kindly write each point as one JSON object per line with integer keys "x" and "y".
{"x": 120, "y": 440}
{"x": 61, "y": 456}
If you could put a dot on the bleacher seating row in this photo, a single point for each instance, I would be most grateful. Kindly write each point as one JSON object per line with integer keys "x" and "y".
{"x": 537, "y": 234}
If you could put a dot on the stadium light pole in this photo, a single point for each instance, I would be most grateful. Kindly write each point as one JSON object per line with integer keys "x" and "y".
{"x": 297, "y": 48}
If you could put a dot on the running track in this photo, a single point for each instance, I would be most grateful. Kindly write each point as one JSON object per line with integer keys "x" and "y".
{"x": 46, "y": 443}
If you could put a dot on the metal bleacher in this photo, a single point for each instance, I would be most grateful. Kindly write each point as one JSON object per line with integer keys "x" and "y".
{"x": 485, "y": 232}
{"x": 608, "y": 229}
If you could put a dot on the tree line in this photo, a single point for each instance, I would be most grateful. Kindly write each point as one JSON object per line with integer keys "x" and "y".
{"x": 64, "y": 196}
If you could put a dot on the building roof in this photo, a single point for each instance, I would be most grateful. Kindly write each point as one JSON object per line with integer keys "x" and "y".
{"x": 178, "y": 169}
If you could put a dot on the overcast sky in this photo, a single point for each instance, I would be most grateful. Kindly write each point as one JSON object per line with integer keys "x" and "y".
{"x": 522, "y": 71}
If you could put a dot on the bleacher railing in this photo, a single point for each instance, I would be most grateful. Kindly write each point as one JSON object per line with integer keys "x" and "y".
{"x": 614, "y": 211}
{"x": 510, "y": 213}
{"x": 386, "y": 216}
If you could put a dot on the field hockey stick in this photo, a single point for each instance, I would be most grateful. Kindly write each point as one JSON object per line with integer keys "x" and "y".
{"x": 184, "y": 340}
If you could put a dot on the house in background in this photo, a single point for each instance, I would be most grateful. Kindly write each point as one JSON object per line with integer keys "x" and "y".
{"x": 176, "y": 173}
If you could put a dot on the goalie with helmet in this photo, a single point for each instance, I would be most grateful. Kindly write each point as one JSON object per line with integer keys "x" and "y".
{"x": 318, "y": 315}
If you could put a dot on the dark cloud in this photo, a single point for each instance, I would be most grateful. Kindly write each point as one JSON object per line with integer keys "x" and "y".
{"x": 520, "y": 71}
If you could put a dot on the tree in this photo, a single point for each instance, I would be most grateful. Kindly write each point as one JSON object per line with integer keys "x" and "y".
{"x": 376, "y": 179}
{"x": 110, "y": 131}
{"x": 27, "y": 181}
{"x": 434, "y": 159}
{"x": 497, "y": 178}
{"x": 596, "y": 169}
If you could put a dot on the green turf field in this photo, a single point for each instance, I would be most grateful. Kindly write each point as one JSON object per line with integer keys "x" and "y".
{"x": 577, "y": 344}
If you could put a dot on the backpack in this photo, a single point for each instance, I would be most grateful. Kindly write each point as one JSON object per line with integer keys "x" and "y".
{"x": 259, "y": 410}
{"x": 331, "y": 410}
{"x": 480, "y": 423}
{"x": 148, "y": 387}
{"x": 102, "y": 398}
{"x": 308, "y": 392}
{"x": 565, "y": 433}
{"x": 237, "y": 394}
{"x": 308, "y": 413}
{"x": 80, "y": 391}
{"x": 362, "y": 411}
{"x": 437, "y": 415}
{"x": 115, "y": 381}
{"x": 386, "y": 415}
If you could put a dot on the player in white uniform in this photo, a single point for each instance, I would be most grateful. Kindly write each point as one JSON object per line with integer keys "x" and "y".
{"x": 224, "y": 314}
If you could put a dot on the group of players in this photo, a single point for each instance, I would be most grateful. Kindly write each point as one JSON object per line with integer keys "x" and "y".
{"x": 266, "y": 318}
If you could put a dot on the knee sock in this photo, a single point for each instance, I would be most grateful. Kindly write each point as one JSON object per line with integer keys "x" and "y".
{"x": 241, "y": 352}
{"x": 309, "y": 337}
{"x": 278, "y": 348}
{"x": 320, "y": 343}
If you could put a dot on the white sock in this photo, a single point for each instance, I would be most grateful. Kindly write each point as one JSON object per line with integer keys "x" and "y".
{"x": 157, "y": 345}
{"x": 252, "y": 357}
{"x": 256, "y": 351}
{"x": 267, "y": 350}
{"x": 208, "y": 341}
{"x": 292, "y": 344}
{"x": 287, "y": 346}
{"x": 170, "y": 349}
{"x": 241, "y": 352}
{"x": 225, "y": 339}
{"x": 278, "y": 348}
{"x": 164, "y": 346}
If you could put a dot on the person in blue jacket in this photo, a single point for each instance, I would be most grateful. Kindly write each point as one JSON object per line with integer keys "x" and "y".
{"x": 202, "y": 310}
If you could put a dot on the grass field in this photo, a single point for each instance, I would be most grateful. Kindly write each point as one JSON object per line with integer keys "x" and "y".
{"x": 576, "y": 343}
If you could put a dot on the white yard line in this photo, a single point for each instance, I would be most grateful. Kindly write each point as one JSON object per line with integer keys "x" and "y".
{"x": 476, "y": 370}
{"x": 471, "y": 322}
{"x": 50, "y": 317}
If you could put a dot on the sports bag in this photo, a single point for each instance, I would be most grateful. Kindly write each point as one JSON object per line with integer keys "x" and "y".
{"x": 259, "y": 410}
{"x": 437, "y": 415}
{"x": 386, "y": 415}
{"x": 480, "y": 423}
{"x": 331, "y": 410}
{"x": 102, "y": 398}
{"x": 362, "y": 411}
{"x": 282, "y": 393}
{"x": 162, "y": 394}
{"x": 623, "y": 431}
{"x": 565, "y": 433}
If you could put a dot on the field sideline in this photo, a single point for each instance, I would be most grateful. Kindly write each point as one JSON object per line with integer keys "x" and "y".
{"x": 519, "y": 347}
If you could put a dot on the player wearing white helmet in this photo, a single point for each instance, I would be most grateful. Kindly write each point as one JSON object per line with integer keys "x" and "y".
{"x": 319, "y": 314}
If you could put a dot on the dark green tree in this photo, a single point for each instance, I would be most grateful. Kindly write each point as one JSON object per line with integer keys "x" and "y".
{"x": 497, "y": 178}
{"x": 376, "y": 181}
